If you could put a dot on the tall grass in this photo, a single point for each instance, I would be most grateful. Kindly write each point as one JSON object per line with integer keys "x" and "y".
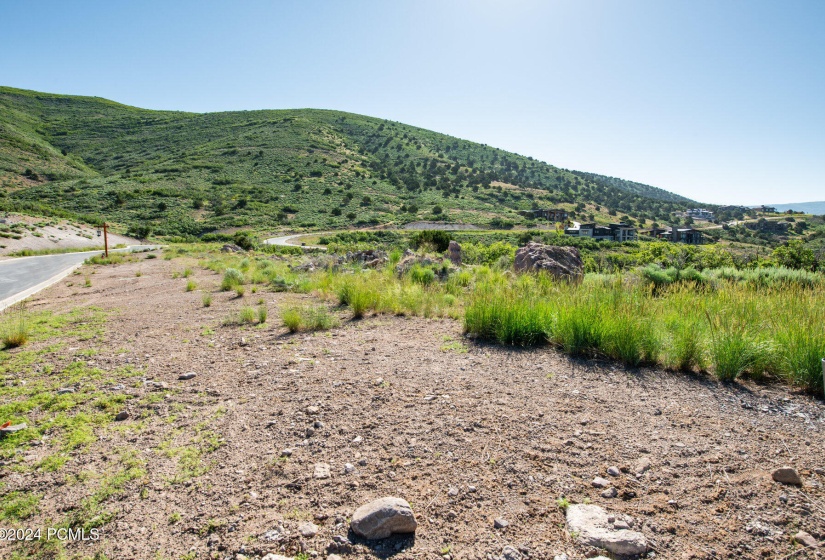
{"x": 308, "y": 318}
{"x": 737, "y": 328}
{"x": 15, "y": 330}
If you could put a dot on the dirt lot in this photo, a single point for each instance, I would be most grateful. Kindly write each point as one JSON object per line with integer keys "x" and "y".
{"x": 421, "y": 413}
{"x": 35, "y": 235}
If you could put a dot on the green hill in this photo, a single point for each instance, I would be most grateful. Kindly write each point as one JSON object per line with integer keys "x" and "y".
{"x": 187, "y": 173}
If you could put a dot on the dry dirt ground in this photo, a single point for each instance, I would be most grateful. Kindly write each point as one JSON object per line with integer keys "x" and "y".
{"x": 60, "y": 235}
{"x": 421, "y": 413}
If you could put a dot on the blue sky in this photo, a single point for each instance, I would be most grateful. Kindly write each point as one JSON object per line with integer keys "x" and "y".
{"x": 722, "y": 101}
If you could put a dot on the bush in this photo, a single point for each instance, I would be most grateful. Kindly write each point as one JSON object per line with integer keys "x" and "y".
{"x": 437, "y": 238}
{"x": 232, "y": 278}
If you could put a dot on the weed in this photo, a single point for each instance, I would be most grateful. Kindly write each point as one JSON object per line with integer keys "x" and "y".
{"x": 207, "y": 300}
{"x": 232, "y": 278}
{"x": 16, "y": 331}
{"x": 247, "y": 315}
{"x": 191, "y": 285}
{"x": 262, "y": 314}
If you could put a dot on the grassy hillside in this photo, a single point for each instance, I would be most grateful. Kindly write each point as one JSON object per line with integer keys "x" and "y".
{"x": 185, "y": 173}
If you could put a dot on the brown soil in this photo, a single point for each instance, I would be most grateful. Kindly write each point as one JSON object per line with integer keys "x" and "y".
{"x": 523, "y": 427}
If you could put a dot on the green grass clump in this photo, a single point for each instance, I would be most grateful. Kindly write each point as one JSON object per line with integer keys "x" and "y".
{"x": 207, "y": 300}
{"x": 308, "y": 318}
{"x": 232, "y": 279}
{"x": 247, "y": 315}
{"x": 15, "y": 330}
{"x": 191, "y": 285}
{"x": 262, "y": 314}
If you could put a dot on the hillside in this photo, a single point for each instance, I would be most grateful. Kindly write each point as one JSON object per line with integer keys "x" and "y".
{"x": 185, "y": 174}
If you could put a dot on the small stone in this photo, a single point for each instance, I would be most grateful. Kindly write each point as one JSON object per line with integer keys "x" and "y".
{"x": 187, "y": 376}
{"x": 621, "y": 525}
{"x": 613, "y": 471}
{"x": 8, "y": 430}
{"x": 321, "y": 471}
{"x": 358, "y": 439}
{"x": 641, "y": 466}
{"x": 312, "y": 410}
{"x": 378, "y": 381}
{"x": 453, "y": 491}
{"x": 560, "y": 557}
{"x": 600, "y": 482}
{"x": 308, "y": 530}
{"x": 275, "y": 557}
{"x": 317, "y": 424}
{"x": 123, "y": 415}
{"x": 383, "y": 517}
{"x": 783, "y": 498}
{"x": 510, "y": 553}
{"x": 805, "y": 539}
{"x": 592, "y": 526}
{"x": 65, "y": 390}
{"x": 500, "y": 523}
{"x": 334, "y": 557}
{"x": 610, "y": 493}
{"x": 820, "y": 472}
{"x": 310, "y": 432}
{"x": 787, "y": 475}
{"x": 472, "y": 489}
{"x": 349, "y": 468}
{"x": 362, "y": 462}
{"x": 286, "y": 453}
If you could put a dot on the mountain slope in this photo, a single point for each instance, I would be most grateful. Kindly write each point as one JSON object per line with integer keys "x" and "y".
{"x": 186, "y": 173}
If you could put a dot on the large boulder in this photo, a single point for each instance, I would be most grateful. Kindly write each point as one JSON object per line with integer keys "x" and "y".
{"x": 383, "y": 517}
{"x": 593, "y": 527}
{"x": 561, "y": 262}
{"x": 454, "y": 253}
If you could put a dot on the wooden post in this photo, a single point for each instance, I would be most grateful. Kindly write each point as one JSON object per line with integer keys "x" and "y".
{"x": 106, "y": 239}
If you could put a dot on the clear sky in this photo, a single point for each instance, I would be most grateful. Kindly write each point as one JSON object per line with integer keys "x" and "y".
{"x": 719, "y": 100}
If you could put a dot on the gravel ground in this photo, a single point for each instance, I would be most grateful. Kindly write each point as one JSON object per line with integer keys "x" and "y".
{"x": 466, "y": 432}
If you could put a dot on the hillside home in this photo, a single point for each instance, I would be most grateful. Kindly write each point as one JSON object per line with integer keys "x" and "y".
{"x": 687, "y": 235}
{"x": 612, "y": 232}
{"x": 550, "y": 214}
{"x": 767, "y": 209}
{"x": 769, "y": 226}
{"x": 699, "y": 214}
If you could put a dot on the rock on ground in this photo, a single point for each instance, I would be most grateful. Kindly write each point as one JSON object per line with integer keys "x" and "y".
{"x": 594, "y": 529}
{"x": 381, "y": 518}
{"x": 806, "y": 539}
{"x": 454, "y": 253}
{"x": 787, "y": 475}
{"x": 561, "y": 262}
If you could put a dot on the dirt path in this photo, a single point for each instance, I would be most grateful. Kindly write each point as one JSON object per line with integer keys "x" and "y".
{"x": 466, "y": 433}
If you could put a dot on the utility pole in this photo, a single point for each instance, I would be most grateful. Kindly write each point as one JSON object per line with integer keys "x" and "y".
{"x": 106, "y": 238}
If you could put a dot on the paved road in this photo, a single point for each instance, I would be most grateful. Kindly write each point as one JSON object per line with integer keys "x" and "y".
{"x": 284, "y": 241}
{"x": 24, "y": 276}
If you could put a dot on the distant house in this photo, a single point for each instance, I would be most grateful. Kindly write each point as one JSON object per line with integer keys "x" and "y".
{"x": 767, "y": 209}
{"x": 769, "y": 226}
{"x": 550, "y": 214}
{"x": 612, "y": 232}
{"x": 699, "y": 214}
{"x": 687, "y": 235}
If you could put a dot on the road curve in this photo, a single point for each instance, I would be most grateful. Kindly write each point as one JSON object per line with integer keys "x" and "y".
{"x": 284, "y": 241}
{"x": 21, "y": 277}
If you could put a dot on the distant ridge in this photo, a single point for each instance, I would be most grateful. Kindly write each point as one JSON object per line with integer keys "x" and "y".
{"x": 186, "y": 174}
{"x": 817, "y": 208}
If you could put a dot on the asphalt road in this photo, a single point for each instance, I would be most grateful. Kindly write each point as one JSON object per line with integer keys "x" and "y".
{"x": 27, "y": 275}
{"x": 284, "y": 241}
